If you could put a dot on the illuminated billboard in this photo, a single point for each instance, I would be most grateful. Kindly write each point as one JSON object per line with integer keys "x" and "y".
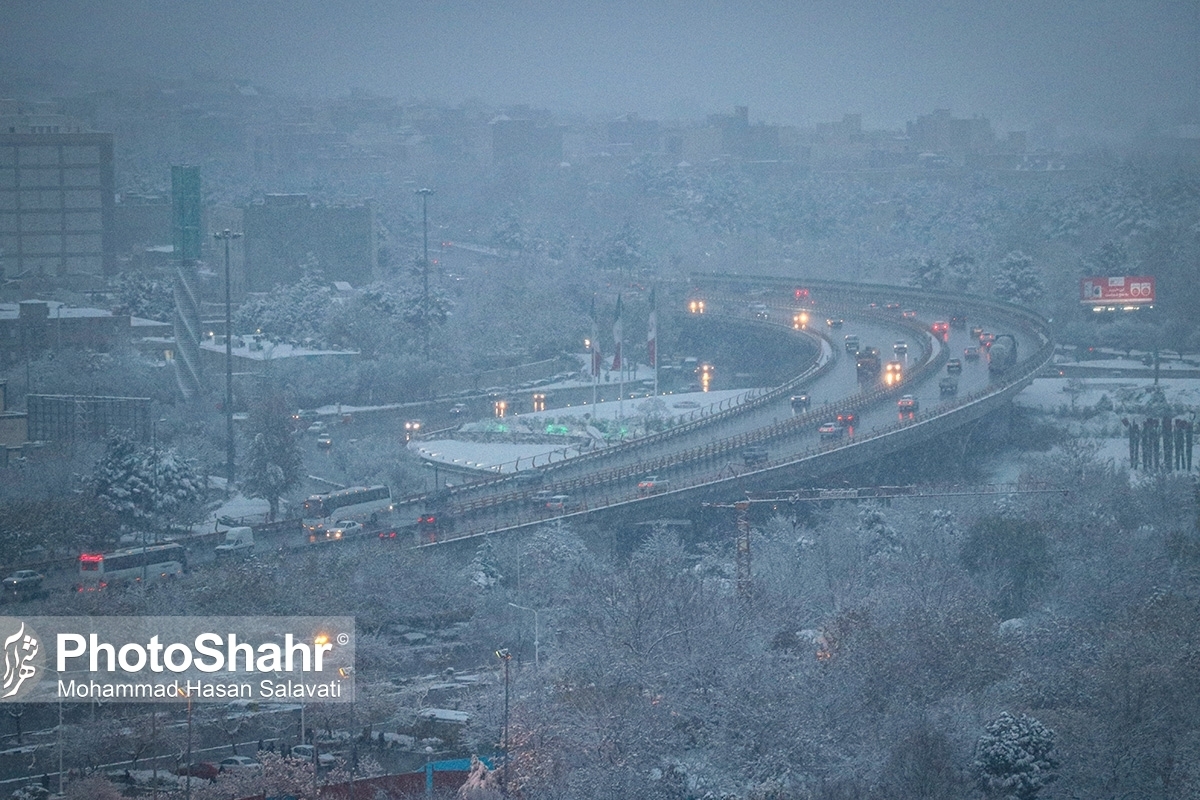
{"x": 1117, "y": 292}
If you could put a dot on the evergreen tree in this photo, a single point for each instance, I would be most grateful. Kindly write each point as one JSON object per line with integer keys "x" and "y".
{"x": 1015, "y": 758}
{"x": 144, "y": 487}
{"x": 274, "y": 464}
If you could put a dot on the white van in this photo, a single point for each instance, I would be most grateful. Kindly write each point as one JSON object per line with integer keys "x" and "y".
{"x": 237, "y": 540}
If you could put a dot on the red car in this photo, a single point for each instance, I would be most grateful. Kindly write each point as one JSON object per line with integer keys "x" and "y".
{"x": 202, "y": 769}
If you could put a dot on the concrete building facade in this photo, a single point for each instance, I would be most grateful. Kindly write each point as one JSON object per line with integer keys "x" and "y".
{"x": 56, "y": 204}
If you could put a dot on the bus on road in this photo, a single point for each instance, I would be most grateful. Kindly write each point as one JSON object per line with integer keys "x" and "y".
{"x": 132, "y": 565}
{"x": 360, "y": 503}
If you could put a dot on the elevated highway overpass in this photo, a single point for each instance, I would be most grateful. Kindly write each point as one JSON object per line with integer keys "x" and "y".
{"x": 703, "y": 458}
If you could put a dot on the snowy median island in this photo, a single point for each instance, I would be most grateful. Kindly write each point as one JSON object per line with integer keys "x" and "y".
{"x": 525, "y": 441}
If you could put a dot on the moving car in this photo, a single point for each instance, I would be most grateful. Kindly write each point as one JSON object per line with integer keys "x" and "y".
{"x": 800, "y": 402}
{"x": 835, "y": 322}
{"x": 940, "y": 328}
{"x": 344, "y": 529}
{"x": 900, "y": 347}
{"x": 948, "y": 386}
{"x": 830, "y": 431}
{"x": 324, "y": 440}
{"x": 652, "y": 484}
{"x": 23, "y": 580}
{"x": 847, "y": 418}
{"x": 559, "y": 502}
{"x": 753, "y": 456}
{"x": 971, "y": 353}
{"x": 908, "y": 404}
{"x": 237, "y": 540}
{"x": 954, "y": 366}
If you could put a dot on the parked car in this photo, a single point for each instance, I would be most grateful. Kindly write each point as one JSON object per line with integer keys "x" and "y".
{"x": 317, "y": 427}
{"x": 239, "y": 764}
{"x": 23, "y": 580}
{"x": 201, "y": 769}
{"x": 306, "y": 752}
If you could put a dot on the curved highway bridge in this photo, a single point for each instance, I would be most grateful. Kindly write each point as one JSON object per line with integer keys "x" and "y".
{"x": 708, "y": 457}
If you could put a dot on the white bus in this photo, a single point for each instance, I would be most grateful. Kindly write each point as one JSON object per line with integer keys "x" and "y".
{"x": 358, "y": 503}
{"x": 131, "y": 565}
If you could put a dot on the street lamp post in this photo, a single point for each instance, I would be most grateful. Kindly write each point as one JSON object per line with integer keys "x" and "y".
{"x": 425, "y": 193}
{"x": 154, "y": 489}
{"x": 227, "y": 236}
{"x": 536, "y": 660}
{"x": 506, "y": 657}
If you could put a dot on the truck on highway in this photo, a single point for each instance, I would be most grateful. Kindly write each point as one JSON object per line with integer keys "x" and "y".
{"x": 867, "y": 363}
{"x": 1002, "y": 355}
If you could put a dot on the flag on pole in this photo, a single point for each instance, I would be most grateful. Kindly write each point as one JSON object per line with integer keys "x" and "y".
{"x": 652, "y": 332}
{"x": 616, "y": 365}
{"x": 597, "y": 358}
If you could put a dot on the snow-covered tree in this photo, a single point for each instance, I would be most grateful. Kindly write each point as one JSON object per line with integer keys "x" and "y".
{"x": 961, "y": 267}
{"x": 273, "y": 464}
{"x": 1017, "y": 280}
{"x": 1015, "y": 757}
{"x": 143, "y": 485}
{"x": 926, "y": 273}
{"x": 144, "y": 295}
{"x": 879, "y": 539}
{"x": 481, "y": 783}
{"x": 623, "y": 251}
{"x": 483, "y": 570}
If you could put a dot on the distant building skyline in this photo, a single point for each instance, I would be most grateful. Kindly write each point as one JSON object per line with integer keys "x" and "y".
{"x": 1106, "y": 65}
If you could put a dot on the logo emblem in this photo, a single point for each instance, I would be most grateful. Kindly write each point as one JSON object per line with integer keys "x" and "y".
{"x": 23, "y": 659}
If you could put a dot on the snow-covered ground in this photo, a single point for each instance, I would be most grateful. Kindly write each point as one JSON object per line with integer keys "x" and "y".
{"x": 1079, "y": 406}
{"x": 511, "y": 456}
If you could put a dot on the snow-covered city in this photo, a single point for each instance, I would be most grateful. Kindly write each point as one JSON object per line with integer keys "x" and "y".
{"x": 752, "y": 401}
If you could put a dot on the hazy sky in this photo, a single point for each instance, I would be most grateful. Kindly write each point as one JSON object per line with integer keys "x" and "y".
{"x": 1092, "y": 62}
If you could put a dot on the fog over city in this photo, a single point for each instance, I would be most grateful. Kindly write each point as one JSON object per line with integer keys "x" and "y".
{"x": 575, "y": 401}
{"x": 1108, "y": 64}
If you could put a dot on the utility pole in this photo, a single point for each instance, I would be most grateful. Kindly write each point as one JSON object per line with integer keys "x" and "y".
{"x": 227, "y": 236}
{"x": 425, "y": 193}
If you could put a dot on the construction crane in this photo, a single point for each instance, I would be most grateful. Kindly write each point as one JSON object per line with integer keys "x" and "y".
{"x": 793, "y": 496}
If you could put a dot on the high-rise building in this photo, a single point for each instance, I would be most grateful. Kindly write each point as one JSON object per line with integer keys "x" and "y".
{"x": 56, "y": 201}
